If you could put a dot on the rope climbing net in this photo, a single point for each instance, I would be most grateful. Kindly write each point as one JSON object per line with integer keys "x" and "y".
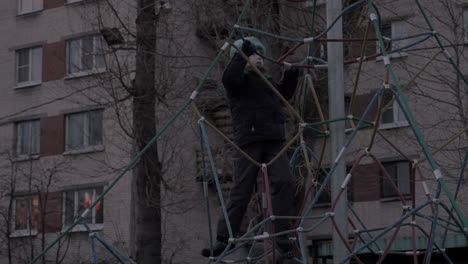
{"x": 442, "y": 215}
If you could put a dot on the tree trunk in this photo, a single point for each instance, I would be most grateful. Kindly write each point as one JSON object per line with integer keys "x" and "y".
{"x": 146, "y": 217}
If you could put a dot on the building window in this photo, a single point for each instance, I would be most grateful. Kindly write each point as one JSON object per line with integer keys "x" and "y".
{"x": 28, "y": 6}
{"x": 26, "y": 213}
{"x": 29, "y": 66}
{"x": 84, "y": 131}
{"x": 85, "y": 55}
{"x": 400, "y": 173}
{"x": 27, "y": 138}
{"x": 393, "y": 116}
{"x": 391, "y": 33}
{"x": 77, "y": 201}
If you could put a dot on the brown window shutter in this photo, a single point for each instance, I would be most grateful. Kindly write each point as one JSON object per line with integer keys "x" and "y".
{"x": 366, "y": 183}
{"x": 52, "y": 202}
{"x": 53, "y": 62}
{"x": 360, "y": 104}
{"x": 52, "y": 135}
{"x": 371, "y": 46}
{"x": 48, "y": 4}
{"x": 354, "y": 47}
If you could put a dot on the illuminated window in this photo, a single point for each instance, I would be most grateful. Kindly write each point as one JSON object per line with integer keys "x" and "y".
{"x": 77, "y": 201}
{"x": 26, "y": 213}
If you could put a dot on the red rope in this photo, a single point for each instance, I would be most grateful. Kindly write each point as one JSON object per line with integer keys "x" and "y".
{"x": 268, "y": 213}
{"x": 346, "y": 40}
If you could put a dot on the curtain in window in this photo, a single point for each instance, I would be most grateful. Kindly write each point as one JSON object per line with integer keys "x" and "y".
{"x": 25, "y": 6}
{"x": 21, "y": 216}
{"x": 404, "y": 178}
{"x": 95, "y": 128}
{"x": 28, "y": 135}
{"x": 23, "y": 138}
{"x": 35, "y": 136}
{"x": 86, "y": 54}
{"x": 35, "y": 212}
{"x": 87, "y": 50}
{"x": 99, "y": 52}
{"x": 399, "y": 29}
{"x": 387, "y": 190}
{"x": 23, "y": 65}
{"x": 74, "y": 57}
{"x": 37, "y": 4}
{"x": 400, "y": 113}
{"x": 99, "y": 209}
{"x": 75, "y": 131}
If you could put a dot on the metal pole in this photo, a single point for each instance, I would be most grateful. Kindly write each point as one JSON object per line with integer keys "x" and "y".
{"x": 337, "y": 129}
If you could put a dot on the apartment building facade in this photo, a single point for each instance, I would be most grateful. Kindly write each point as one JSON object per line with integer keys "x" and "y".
{"x": 64, "y": 127}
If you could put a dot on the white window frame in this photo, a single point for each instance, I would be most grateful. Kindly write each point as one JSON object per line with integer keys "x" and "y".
{"x": 397, "y": 118}
{"x": 399, "y": 170}
{"x": 29, "y": 124}
{"x": 31, "y": 64}
{"x": 28, "y": 231}
{"x": 81, "y": 227}
{"x": 33, "y": 9}
{"x": 94, "y": 69}
{"x": 395, "y": 33}
{"x": 86, "y": 147}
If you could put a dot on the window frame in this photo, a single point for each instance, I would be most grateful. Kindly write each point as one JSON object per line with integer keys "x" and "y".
{"x": 397, "y": 121}
{"x": 21, "y": 11}
{"x": 18, "y": 145}
{"x": 396, "y": 179}
{"x": 85, "y": 147}
{"x": 94, "y": 69}
{"x": 80, "y": 227}
{"x": 29, "y": 231}
{"x": 394, "y": 34}
{"x": 31, "y": 64}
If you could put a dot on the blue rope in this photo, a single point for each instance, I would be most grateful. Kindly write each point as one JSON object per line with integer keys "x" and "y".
{"x": 205, "y": 191}
{"x": 218, "y": 186}
{"x": 430, "y": 245}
